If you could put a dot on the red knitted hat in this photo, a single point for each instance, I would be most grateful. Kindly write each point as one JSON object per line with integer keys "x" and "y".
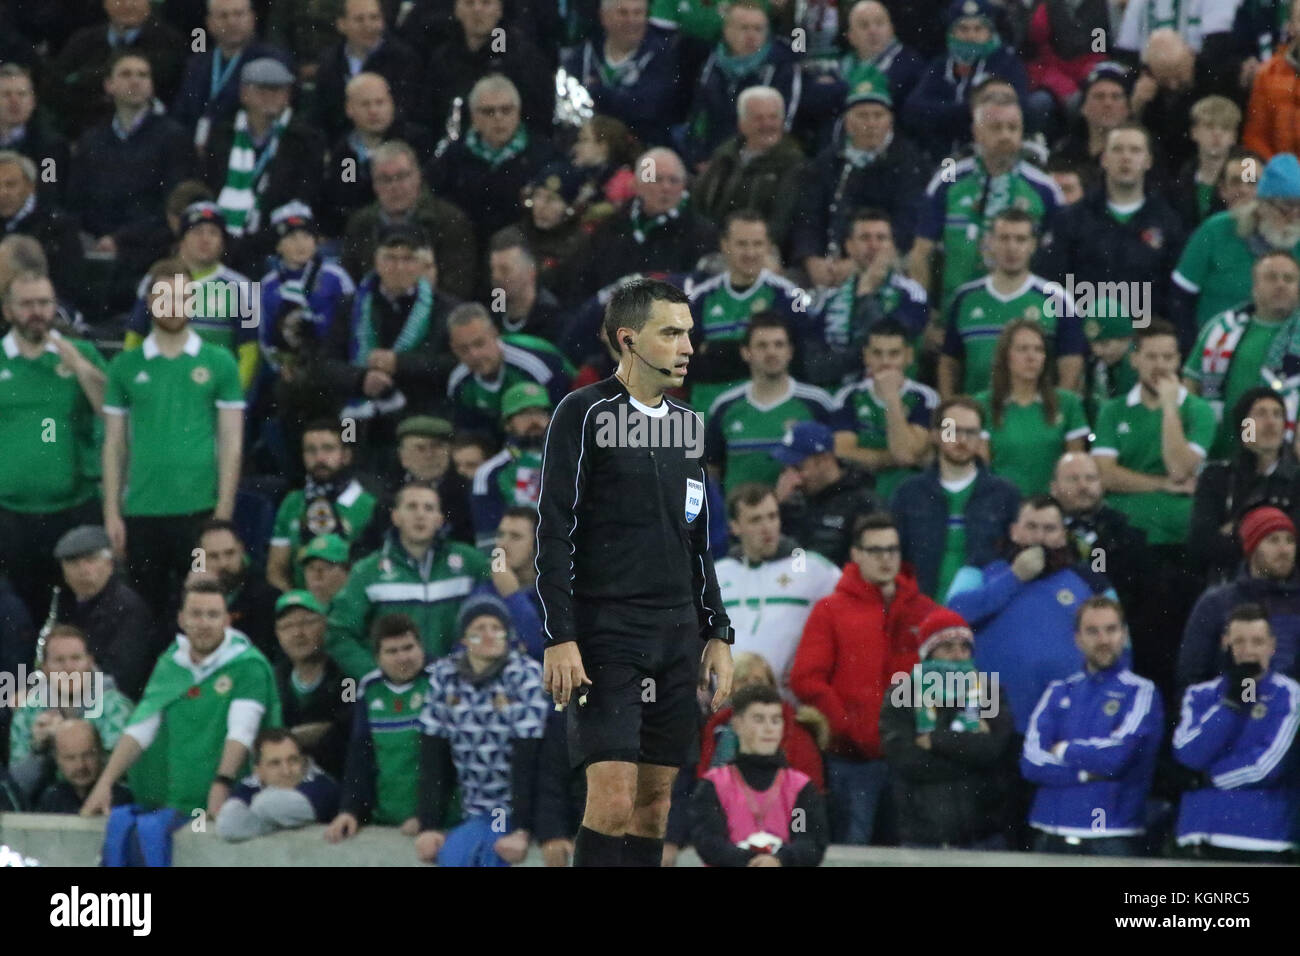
{"x": 940, "y": 625}
{"x": 1259, "y": 524}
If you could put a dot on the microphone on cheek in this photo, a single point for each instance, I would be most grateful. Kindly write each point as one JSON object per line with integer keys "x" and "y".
{"x": 661, "y": 371}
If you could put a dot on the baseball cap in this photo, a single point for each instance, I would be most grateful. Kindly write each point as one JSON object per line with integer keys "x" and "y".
{"x": 427, "y": 425}
{"x": 292, "y": 599}
{"x": 802, "y": 441}
{"x": 327, "y": 547}
{"x": 961, "y": 9}
{"x": 266, "y": 71}
{"x": 82, "y": 540}
{"x": 521, "y": 396}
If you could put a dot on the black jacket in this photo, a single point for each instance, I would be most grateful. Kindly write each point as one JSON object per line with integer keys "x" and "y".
{"x": 75, "y": 80}
{"x": 1125, "y": 559}
{"x": 712, "y": 838}
{"x": 490, "y": 195}
{"x": 454, "y": 69}
{"x": 832, "y": 189}
{"x": 120, "y": 632}
{"x": 957, "y": 791}
{"x": 59, "y": 797}
{"x": 824, "y": 522}
{"x": 676, "y": 246}
{"x": 57, "y": 233}
{"x": 341, "y": 195}
{"x": 769, "y": 183}
{"x": 324, "y": 704}
{"x": 622, "y": 523}
{"x": 252, "y": 611}
{"x": 395, "y": 61}
{"x": 1225, "y": 491}
{"x": 39, "y": 142}
{"x": 1085, "y": 241}
{"x": 445, "y": 225}
{"x": 117, "y": 183}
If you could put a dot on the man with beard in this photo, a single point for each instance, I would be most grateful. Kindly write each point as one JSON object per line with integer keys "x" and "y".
{"x": 1091, "y": 745}
{"x": 331, "y": 502}
{"x": 51, "y": 389}
{"x": 1022, "y": 607}
{"x": 512, "y": 476}
{"x": 1268, "y": 578}
{"x": 1263, "y": 471}
{"x": 249, "y": 598}
{"x": 1214, "y": 272}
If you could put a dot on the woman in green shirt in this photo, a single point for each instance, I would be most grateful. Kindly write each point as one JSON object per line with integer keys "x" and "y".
{"x": 1030, "y": 422}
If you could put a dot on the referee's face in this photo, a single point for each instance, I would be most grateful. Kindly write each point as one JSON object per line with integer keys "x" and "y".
{"x": 665, "y": 342}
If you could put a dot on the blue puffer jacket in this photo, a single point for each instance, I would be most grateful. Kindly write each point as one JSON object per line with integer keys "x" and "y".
{"x": 1111, "y": 723}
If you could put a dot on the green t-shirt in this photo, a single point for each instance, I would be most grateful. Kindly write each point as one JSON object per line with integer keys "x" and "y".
{"x": 860, "y": 411}
{"x": 954, "y": 545}
{"x": 1243, "y": 375}
{"x": 741, "y": 433}
{"x": 978, "y": 313}
{"x": 960, "y": 203}
{"x": 47, "y": 431}
{"x": 1215, "y": 266}
{"x": 296, "y": 523}
{"x": 1130, "y": 432}
{"x": 172, "y": 407}
{"x": 393, "y": 712}
{"x": 1024, "y": 447}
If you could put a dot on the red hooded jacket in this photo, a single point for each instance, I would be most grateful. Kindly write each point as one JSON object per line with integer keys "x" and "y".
{"x": 852, "y": 645}
{"x": 797, "y": 744}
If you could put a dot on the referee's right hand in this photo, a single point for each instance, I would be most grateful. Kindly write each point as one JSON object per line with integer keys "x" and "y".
{"x": 562, "y": 672}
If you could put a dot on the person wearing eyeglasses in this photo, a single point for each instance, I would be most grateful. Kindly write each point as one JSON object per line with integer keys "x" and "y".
{"x": 488, "y": 168}
{"x": 853, "y": 643}
{"x": 956, "y": 511}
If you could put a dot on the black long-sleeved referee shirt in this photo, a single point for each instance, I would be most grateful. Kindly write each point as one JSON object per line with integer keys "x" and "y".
{"x": 623, "y": 516}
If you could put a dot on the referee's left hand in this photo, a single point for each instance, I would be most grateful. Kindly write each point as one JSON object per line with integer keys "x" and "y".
{"x": 716, "y": 662}
{"x": 562, "y": 672}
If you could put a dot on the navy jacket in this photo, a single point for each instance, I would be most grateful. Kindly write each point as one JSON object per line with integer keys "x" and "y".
{"x": 1086, "y": 241}
{"x": 647, "y": 102}
{"x": 1200, "y": 658}
{"x": 921, "y": 511}
{"x": 713, "y": 115}
{"x": 938, "y": 111}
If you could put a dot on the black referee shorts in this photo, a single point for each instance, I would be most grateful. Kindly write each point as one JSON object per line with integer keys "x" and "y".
{"x": 644, "y": 667}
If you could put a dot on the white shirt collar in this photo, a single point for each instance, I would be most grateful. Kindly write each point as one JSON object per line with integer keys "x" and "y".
{"x": 10, "y": 342}
{"x": 191, "y": 347}
{"x": 1135, "y": 395}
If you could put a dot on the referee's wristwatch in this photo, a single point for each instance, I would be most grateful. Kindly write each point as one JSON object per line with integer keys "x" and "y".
{"x": 720, "y": 632}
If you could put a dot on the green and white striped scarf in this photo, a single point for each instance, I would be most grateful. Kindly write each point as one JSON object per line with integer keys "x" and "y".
{"x": 495, "y": 157}
{"x": 414, "y": 329}
{"x": 239, "y": 200}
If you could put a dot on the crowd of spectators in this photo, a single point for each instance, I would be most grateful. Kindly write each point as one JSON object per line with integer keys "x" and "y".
{"x": 997, "y": 346}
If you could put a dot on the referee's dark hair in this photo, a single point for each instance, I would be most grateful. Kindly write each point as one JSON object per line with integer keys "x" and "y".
{"x": 875, "y": 521}
{"x": 752, "y": 694}
{"x": 630, "y": 305}
{"x": 388, "y": 626}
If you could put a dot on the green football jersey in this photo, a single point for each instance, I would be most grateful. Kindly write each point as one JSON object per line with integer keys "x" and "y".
{"x": 1215, "y": 267}
{"x": 1024, "y": 446}
{"x": 1130, "y": 432}
{"x": 296, "y": 522}
{"x": 172, "y": 406}
{"x": 393, "y": 714}
{"x": 741, "y": 432}
{"x": 978, "y": 313}
{"x": 960, "y": 203}
{"x": 861, "y": 412}
{"x": 954, "y": 545}
{"x": 525, "y": 358}
{"x": 47, "y": 430}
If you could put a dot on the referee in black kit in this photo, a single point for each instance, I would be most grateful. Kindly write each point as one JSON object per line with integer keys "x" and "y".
{"x": 630, "y": 603}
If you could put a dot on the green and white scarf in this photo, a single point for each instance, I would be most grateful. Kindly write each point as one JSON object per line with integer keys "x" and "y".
{"x": 495, "y": 157}
{"x": 642, "y": 227}
{"x": 414, "y": 329}
{"x": 239, "y": 196}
